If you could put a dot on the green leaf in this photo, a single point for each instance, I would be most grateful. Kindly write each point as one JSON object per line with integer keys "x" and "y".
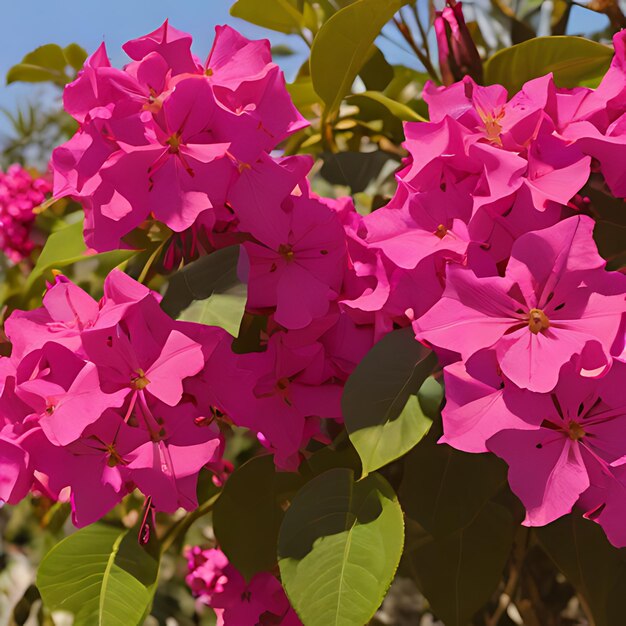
{"x": 197, "y": 280}
{"x": 63, "y": 248}
{"x": 102, "y": 575}
{"x": 75, "y": 56}
{"x": 339, "y": 547}
{"x": 248, "y": 514}
{"x": 458, "y": 573}
{"x": 443, "y": 489}
{"x": 222, "y": 308}
{"x": 382, "y": 421}
{"x": 208, "y": 291}
{"x": 279, "y": 15}
{"x": 376, "y": 73}
{"x": 597, "y": 570}
{"x": 46, "y": 63}
{"x": 343, "y": 45}
{"x": 399, "y": 110}
{"x": 353, "y": 169}
{"x": 574, "y": 61}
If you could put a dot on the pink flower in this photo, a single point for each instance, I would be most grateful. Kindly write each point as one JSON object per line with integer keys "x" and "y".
{"x": 575, "y": 446}
{"x": 554, "y": 299}
{"x": 216, "y": 583}
{"x": 20, "y": 193}
{"x": 298, "y": 253}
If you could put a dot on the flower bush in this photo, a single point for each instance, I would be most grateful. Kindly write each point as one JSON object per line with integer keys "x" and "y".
{"x": 237, "y": 298}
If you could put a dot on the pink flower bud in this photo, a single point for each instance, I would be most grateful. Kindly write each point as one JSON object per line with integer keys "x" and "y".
{"x": 458, "y": 55}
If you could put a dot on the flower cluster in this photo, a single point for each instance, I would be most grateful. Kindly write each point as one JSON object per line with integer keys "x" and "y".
{"x": 94, "y": 401}
{"x": 486, "y": 249}
{"x": 167, "y": 136}
{"x": 20, "y": 193}
{"x": 509, "y": 289}
{"x": 218, "y": 584}
{"x": 189, "y": 144}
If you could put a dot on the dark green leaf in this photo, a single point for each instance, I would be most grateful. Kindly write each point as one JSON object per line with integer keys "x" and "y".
{"x": 443, "y": 489}
{"x": 353, "y": 169}
{"x": 458, "y": 573}
{"x": 382, "y": 421}
{"x": 376, "y": 74}
{"x": 102, "y": 575}
{"x": 339, "y": 547}
{"x": 574, "y": 61}
{"x": 342, "y": 46}
{"x": 248, "y": 514}
{"x": 597, "y": 570}
{"x": 280, "y": 15}
{"x": 197, "y": 280}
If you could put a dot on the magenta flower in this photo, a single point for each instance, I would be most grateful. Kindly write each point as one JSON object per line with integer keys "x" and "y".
{"x": 298, "y": 253}
{"x": 20, "y": 194}
{"x": 554, "y": 299}
{"x": 580, "y": 437}
{"x": 216, "y": 583}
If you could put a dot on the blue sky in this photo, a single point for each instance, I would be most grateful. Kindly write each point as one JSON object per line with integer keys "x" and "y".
{"x": 27, "y": 25}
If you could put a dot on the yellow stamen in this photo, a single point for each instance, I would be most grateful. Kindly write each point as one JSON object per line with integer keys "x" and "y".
{"x": 140, "y": 381}
{"x": 537, "y": 321}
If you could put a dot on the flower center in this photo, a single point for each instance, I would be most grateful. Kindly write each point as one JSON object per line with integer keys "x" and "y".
{"x": 576, "y": 431}
{"x": 140, "y": 381}
{"x": 174, "y": 143}
{"x": 286, "y": 251}
{"x": 441, "y": 231}
{"x": 537, "y": 321}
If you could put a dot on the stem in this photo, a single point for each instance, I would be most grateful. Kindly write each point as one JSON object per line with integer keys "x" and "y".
{"x": 150, "y": 261}
{"x": 422, "y": 30}
{"x": 408, "y": 37}
{"x": 517, "y": 564}
{"x": 183, "y": 525}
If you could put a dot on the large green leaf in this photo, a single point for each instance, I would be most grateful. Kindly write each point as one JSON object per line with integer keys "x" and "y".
{"x": 208, "y": 291}
{"x": 248, "y": 514}
{"x": 48, "y": 63}
{"x": 383, "y": 418}
{"x": 574, "y": 61}
{"x": 343, "y": 45}
{"x": 63, "y": 248}
{"x": 100, "y": 574}
{"x": 280, "y": 15}
{"x": 458, "y": 573}
{"x": 443, "y": 489}
{"x": 339, "y": 547}
{"x": 597, "y": 570}
{"x": 198, "y": 280}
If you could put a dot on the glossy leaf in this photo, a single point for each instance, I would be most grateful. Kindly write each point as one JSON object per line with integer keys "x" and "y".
{"x": 100, "y": 574}
{"x": 343, "y": 45}
{"x": 574, "y": 61}
{"x": 339, "y": 547}
{"x": 382, "y": 421}
{"x": 222, "y": 308}
{"x": 248, "y": 514}
{"x": 279, "y": 15}
{"x": 458, "y": 573}
{"x": 197, "y": 280}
